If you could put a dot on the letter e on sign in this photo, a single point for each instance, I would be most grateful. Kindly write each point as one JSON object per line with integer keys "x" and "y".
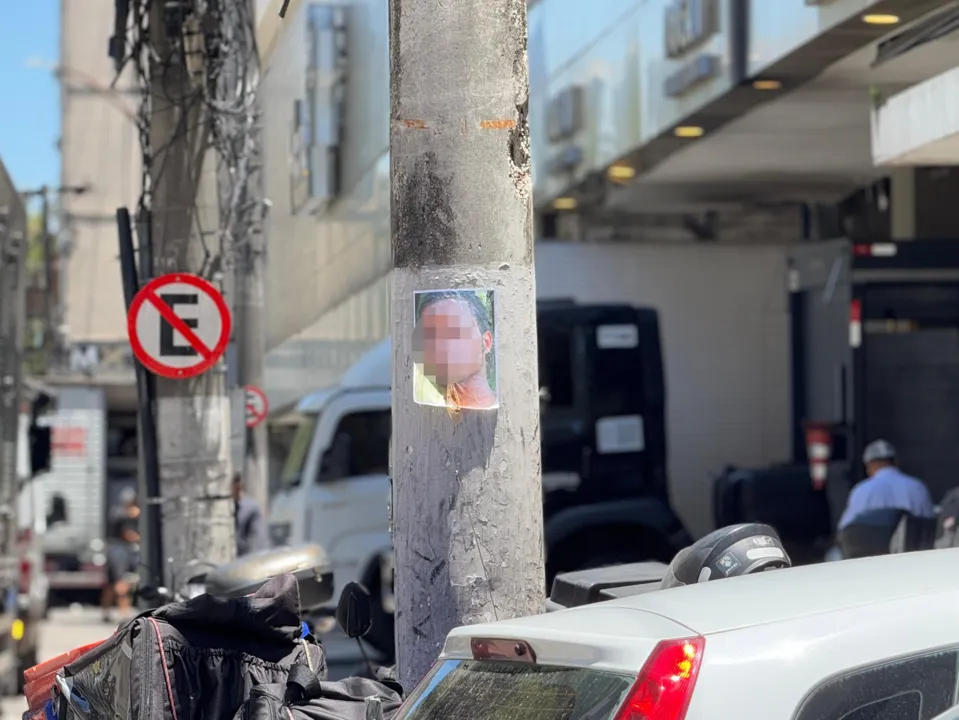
{"x": 178, "y": 326}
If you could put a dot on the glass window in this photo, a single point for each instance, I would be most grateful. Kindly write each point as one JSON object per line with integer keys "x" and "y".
{"x": 906, "y": 706}
{"x": 914, "y": 688}
{"x": 361, "y": 446}
{"x": 295, "y": 460}
{"x": 280, "y": 442}
{"x": 493, "y": 690}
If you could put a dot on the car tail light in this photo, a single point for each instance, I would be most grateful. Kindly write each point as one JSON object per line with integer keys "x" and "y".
{"x": 665, "y": 685}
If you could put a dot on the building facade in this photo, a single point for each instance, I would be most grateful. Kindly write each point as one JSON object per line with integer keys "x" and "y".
{"x": 680, "y": 139}
{"x": 100, "y": 148}
{"x": 699, "y": 136}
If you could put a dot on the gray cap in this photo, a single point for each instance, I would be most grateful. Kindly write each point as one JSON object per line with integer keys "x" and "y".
{"x": 878, "y": 450}
{"x": 128, "y": 495}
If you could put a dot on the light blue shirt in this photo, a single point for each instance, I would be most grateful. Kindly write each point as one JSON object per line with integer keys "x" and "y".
{"x": 890, "y": 488}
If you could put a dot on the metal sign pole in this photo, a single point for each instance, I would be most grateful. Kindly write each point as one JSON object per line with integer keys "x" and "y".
{"x": 151, "y": 568}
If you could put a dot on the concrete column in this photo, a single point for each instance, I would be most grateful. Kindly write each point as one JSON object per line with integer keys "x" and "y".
{"x": 923, "y": 203}
{"x": 902, "y": 203}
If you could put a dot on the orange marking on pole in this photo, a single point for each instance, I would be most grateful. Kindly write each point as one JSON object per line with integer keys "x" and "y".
{"x": 415, "y": 124}
{"x": 497, "y": 124}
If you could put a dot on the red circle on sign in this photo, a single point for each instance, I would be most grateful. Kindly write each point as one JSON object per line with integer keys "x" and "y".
{"x": 258, "y": 417}
{"x": 210, "y": 356}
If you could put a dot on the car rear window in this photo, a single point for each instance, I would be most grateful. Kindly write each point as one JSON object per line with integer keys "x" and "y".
{"x": 496, "y": 690}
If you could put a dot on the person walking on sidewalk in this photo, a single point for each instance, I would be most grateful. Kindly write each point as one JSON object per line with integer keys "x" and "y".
{"x": 121, "y": 555}
{"x": 251, "y": 532}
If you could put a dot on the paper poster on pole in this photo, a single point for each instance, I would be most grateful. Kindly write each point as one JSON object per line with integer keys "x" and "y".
{"x": 454, "y": 349}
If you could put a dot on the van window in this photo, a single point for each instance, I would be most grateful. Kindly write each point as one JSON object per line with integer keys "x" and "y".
{"x": 913, "y": 688}
{"x": 299, "y": 448}
{"x": 494, "y": 690}
{"x": 363, "y": 439}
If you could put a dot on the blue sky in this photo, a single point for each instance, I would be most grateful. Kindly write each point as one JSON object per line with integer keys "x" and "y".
{"x": 29, "y": 95}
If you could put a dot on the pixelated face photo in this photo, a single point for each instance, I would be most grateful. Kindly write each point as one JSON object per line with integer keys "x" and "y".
{"x": 454, "y": 349}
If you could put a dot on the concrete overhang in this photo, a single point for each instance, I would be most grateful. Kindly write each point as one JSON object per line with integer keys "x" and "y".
{"x": 119, "y": 388}
{"x": 811, "y": 144}
{"x": 809, "y": 140}
{"x": 919, "y": 126}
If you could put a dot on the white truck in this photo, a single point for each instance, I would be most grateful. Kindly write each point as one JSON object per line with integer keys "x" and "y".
{"x": 93, "y": 455}
{"x": 348, "y": 513}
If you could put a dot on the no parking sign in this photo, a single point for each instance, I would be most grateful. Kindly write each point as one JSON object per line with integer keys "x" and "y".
{"x": 178, "y": 325}
{"x": 255, "y": 405}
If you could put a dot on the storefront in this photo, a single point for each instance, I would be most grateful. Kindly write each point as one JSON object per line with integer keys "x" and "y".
{"x": 671, "y": 105}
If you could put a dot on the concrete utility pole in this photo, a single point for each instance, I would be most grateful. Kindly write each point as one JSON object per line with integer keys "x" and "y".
{"x": 13, "y": 244}
{"x": 250, "y": 313}
{"x": 193, "y": 416}
{"x": 467, "y": 501}
{"x": 250, "y": 248}
{"x": 51, "y": 331}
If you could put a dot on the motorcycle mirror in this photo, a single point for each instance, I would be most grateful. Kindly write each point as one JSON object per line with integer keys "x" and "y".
{"x": 354, "y": 610}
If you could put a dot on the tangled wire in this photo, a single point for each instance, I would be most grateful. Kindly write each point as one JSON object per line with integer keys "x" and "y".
{"x": 214, "y": 43}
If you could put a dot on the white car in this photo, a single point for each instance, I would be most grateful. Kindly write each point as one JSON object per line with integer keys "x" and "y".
{"x": 871, "y": 639}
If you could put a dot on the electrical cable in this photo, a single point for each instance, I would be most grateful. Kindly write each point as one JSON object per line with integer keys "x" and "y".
{"x": 205, "y": 76}
{"x": 228, "y": 118}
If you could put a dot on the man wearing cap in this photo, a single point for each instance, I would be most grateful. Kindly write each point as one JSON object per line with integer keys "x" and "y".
{"x": 886, "y": 487}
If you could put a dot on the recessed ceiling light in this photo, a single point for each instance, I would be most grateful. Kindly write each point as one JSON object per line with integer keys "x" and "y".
{"x": 880, "y": 19}
{"x": 689, "y": 131}
{"x": 565, "y": 203}
{"x": 767, "y": 84}
{"x": 621, "y": 172}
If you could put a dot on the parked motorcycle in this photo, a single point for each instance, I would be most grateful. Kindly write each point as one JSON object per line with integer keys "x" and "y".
{"x": 241, "y": 576}
{"x": 246, "y": 628}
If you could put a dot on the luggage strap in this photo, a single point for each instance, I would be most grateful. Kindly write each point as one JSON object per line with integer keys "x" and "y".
{"x": 302, "y": 683}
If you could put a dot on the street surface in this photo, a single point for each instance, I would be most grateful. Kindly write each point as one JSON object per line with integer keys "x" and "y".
{"x": 68, "y": 628}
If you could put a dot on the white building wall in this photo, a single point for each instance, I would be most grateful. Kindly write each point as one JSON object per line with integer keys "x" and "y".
{"x": 317, "y": 262}
{"x": 317, "y": 356}
{"x": 99, "y": 146}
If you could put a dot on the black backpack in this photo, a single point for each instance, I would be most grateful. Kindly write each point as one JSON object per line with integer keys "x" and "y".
{"x": 305, "y": 697}
{"x": 199, "y": 658}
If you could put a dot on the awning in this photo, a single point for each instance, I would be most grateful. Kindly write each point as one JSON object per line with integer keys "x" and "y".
{"x": 919, "y": 126}
{"x": 924, "y": 31}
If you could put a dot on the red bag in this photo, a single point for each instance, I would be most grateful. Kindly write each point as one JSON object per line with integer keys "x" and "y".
{"x": 38, "y": 680}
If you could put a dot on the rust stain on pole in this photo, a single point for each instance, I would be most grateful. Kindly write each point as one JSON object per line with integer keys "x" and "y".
{"x": 497, "y": 124}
